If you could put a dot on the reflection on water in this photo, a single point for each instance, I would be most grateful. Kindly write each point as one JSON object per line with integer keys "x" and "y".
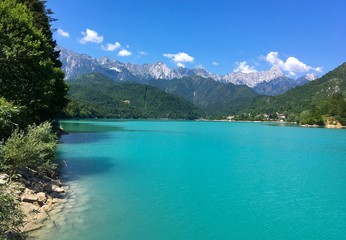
{"x": 89, "y": 126}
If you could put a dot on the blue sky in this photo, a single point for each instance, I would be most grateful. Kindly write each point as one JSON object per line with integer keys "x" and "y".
{"x": 223, "y": 36}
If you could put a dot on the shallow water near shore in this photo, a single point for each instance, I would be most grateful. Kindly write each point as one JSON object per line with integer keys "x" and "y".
{"x": 140, "y": 180}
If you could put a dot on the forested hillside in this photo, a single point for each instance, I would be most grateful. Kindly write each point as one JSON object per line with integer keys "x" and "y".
{"x": 95, "y": 95}
{"x": 213, "y": 97}
{"x": 311, "y": 103}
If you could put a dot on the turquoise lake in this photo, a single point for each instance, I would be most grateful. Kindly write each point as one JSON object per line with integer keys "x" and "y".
{"x": 187, "y": 180}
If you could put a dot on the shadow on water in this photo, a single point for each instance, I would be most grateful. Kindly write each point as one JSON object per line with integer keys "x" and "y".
{"x": 77, "y": 168}
{"x": 86, "y": 127}
{"x": 84, "y": 137}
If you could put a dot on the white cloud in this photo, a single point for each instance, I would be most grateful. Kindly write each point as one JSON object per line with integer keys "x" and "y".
{"x": 273, "y": 58}
{"x": 215, "y": 63}
{"x": 62, "y": 33}
{"x": 111, "y": 47}
{"x": 243, "y": 67}
{"x": 143, "y": 53}
{"x": 91, "y": 36}
{"x": 124, "y": 53}
{"x": 318, "y": 69}
{"x": 180, "y": 58}
{"x": 292, "y": 65}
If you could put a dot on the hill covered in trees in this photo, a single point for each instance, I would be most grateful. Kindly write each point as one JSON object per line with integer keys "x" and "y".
{"x": 211, "y": 96}
{"x": 95, "y": 95}
{"x": 318, "y": 102}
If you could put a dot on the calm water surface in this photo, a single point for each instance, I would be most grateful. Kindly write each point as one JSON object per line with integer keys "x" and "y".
{"x": 165, "y": 180}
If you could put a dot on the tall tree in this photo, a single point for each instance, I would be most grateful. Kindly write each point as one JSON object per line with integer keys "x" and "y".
{"x": 42, "y": 20}
{"x": 29, "y": 75}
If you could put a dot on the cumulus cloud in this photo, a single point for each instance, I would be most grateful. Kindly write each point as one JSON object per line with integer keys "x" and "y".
{"x": 111, "y": 47}
{"x": 124, "y": 53}
{"x": 273, "y": 58}
{"x": 243, "y": 67}
{"x": 180, "y": 58}
{"x": 91, "y": 36}
{"x": 62, "y": 33}
{"x": 292, "y": 65}
{"x": 215, "y": 63}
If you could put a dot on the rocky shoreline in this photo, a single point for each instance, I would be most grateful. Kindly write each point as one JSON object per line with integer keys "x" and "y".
{"x": 37, "y": 197}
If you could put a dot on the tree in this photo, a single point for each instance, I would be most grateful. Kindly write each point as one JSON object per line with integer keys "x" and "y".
{"x": 28, "y": 75}
{"x": 42, "y": 19}
{"x": 334, "y": 106}
{"x": 10, "y": 118}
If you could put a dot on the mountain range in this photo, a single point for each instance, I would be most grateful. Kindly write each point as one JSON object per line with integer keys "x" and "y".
{"x": 316, "y": 101}
{"x": 271, "y": 82}
{"x": 109, "y": 88}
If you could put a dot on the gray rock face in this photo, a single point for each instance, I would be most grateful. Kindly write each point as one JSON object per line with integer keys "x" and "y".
{"x": 271, "y": 82}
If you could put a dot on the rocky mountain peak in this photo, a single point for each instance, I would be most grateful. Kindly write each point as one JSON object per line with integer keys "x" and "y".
{"x": 104, "y": 60}
{"x": 311, "y": 76}
{"x": 159, "y": 70}
{"x": 276, "y": 70}
{"x": 75, "y": 64}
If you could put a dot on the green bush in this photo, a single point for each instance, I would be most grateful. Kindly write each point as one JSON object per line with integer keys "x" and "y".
{"x": 11, "y": 218}
{"x": 34, "y": 149}
{"x": 9, "y": 118}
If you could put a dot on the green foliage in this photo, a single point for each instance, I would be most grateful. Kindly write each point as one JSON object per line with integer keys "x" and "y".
{"x": 11, "y": 218}
{"x": 214, "y": 98}
{"x": 28, "y": 76}
{"x": 42, "y": 19}
{"x": 307, "y": 104}
{"x": 310, "y": 117}
{"x": 34, "y": 149}
{"x": 32, "y": 89}
{"x": 10, "y": 118}
{"x": 334, "y": 106}
{"x": 95, "y": 95}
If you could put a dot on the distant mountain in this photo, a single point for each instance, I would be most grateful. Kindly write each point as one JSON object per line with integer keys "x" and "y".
{"x": 215, "y": 98}
{"x": 96, "y": 95}
{"x": 318, "y": 96}
{"x": 272, "y": 82}
{"x": 74, "y": 65}
{"x": 275, "y": 87}
{"x": 253, "y": 78}
{"x": 282, "y": 84}
{"x": 306, "y": 79}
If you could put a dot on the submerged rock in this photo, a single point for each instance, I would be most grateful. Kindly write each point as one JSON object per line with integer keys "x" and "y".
{"x": 59, "y": 190}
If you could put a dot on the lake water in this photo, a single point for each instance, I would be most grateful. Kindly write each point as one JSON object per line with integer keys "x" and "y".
{"x": 186, "y": 180}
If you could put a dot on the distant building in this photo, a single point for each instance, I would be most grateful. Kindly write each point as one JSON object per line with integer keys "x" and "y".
{"x": 281, "y": 116}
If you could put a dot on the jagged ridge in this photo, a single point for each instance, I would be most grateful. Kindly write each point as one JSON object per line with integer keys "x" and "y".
{"x": 272, "y": 82}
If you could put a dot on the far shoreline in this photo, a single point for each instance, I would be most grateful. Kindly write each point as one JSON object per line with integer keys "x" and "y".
{"x": 329, "y": 126}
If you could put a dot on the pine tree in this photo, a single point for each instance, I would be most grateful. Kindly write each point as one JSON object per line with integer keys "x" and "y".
{"x": 29, "y": 72}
